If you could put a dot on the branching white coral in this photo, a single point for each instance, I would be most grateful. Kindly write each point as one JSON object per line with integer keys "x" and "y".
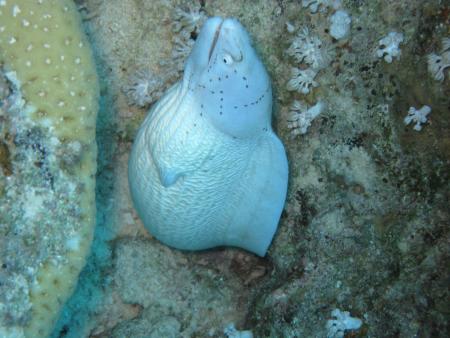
{"x": 143, "y": 88}
{"x": 309, "y": 49}
{"x": 438, "y": 63}
{"x": 389, "y": 46}
{"x": 231, "y": 332}
{"x": 342, "y": 322}
{"x": 301, "y": 116}
{"x": 417, "y": 116}
{"x": 302, "y": 80}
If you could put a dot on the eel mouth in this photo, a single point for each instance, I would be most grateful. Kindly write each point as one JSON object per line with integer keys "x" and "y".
{"x": 214, "y": 41}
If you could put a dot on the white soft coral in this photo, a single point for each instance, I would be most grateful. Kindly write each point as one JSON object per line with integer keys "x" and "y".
{"x": 342, "y": 322}
{"x": 301, "y": 116}
{"x": 389, "y": 46}
{"x": 186, "y": 26}
{"x": 143, "y": 88}
{"x": 189, "y": 19}
{"x": 417, "y": 116}
{"x": 309, "y": 49}
{"x": 438, "y": 63}
{"x": 302, "y": 80}
{"x": 340, "y": 24}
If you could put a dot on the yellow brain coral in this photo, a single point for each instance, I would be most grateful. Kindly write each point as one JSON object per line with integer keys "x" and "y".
{"x": 49, "y": 200}
{"x": 41, "y": 40}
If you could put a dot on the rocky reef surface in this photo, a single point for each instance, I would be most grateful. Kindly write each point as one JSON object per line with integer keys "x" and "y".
{"x": 362, "y": 248}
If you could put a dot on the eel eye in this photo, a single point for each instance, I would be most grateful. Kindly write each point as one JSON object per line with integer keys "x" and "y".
{"x": 227, "y": 59}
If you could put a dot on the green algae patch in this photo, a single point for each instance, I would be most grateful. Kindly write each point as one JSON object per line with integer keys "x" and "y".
{"x": 48, "y": 155}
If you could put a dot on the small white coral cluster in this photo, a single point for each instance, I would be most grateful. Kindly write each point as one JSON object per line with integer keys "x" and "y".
{"x": 144, "y": 87}
{"x": 302, "y": 80}
{"x": 342, "y": 322}
{"x": 438, "y": 63}
{"x": 340, "y": 24}
{"x": 417, "y": 116}
{"x": 312, "y": 55}
{"x": 388, "y": 47}
{"x": 188, "y": 19}
{"x": 307, "y": 48}
{"x": 310, "y": 51}
{"x": 301, "y": 116}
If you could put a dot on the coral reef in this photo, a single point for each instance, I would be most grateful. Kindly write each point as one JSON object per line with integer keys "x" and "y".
{"x": 365, "y": 225}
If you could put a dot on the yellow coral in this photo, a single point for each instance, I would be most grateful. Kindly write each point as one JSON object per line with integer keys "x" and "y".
{"x": 42, "y": 41}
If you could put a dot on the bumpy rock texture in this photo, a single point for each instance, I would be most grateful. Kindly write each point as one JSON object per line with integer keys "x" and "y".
{"x": 365, "y": 226}
{"x": 49, "y": 100}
